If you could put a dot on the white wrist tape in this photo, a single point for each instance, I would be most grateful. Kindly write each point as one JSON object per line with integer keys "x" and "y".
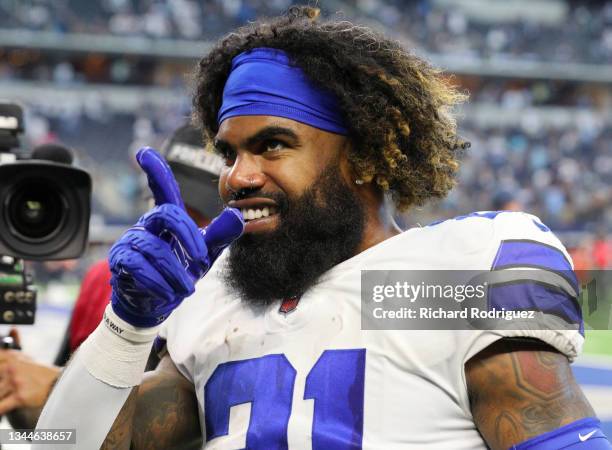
{"x": 117, "y": 352}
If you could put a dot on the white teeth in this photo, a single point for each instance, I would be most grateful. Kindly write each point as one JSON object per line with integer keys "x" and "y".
{"x": 258, "y": 213}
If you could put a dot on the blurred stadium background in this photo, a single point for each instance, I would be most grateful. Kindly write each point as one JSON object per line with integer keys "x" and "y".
{"x": 107, "y": 76}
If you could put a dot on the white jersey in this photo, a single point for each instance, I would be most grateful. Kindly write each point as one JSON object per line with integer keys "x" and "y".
{"x": 313, "y": 378}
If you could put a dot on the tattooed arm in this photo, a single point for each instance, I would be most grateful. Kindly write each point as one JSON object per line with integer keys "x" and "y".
{"x": 161, "y": 413}
{"x": 521, "y": 388}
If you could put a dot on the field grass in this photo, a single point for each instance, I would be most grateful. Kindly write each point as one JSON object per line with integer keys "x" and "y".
{"x": 598, "y": 342}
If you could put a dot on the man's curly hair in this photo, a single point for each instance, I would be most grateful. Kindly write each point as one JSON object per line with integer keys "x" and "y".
{"x": 397, "y": 107}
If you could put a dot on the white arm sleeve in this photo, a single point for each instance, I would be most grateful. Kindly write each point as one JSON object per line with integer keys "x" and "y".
{"x": 84, "y": 403}
{"x": 97, "y": 382}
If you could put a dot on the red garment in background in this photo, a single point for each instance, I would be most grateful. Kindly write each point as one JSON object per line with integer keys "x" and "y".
{"x": 602, "y": 254}
{"x": 89, "y": 308}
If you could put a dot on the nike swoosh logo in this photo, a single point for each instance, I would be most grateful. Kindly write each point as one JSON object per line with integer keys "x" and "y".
{"x": 586, "y": 436}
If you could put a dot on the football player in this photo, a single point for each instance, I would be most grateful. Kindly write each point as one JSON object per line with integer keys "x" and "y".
{"x": 318, "y": 122}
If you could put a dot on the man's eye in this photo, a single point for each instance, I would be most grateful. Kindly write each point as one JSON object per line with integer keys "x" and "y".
{"x": 273, "y": 145}
{"x": 228, "y": 155}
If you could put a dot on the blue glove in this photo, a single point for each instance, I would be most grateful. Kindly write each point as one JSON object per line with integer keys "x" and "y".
{"x": 156, "y": 263}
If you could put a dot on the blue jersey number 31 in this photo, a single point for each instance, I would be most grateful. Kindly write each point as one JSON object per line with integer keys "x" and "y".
{"x": 335, "y": 383}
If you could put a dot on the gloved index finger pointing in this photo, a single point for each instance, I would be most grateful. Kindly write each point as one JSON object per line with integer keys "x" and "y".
{"x": 161, "y": 180}
{"x": 223, "y": 230}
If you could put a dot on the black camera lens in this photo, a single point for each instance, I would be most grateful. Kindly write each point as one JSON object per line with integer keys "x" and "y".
{"x": 44, "y": 210}
{"x": 36, "y": 210}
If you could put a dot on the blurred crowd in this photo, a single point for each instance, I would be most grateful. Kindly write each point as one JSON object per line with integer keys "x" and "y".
{"x": 77, "y": 69}
{"x": 561, "y": 175}
{"x": 178, "y": 19}
{"x": 576, "y": 31}
{"x": 563, "y": 31}
{"x": 516, "y": 94}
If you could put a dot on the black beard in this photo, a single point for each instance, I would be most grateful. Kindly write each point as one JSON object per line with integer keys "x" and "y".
{"x": 317, "y": 231}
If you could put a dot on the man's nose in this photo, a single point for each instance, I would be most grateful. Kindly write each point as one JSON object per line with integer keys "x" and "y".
{"x": 245, "y": 174}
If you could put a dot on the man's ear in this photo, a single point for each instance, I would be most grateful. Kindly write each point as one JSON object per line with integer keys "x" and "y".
{"x": 370, "y": 193}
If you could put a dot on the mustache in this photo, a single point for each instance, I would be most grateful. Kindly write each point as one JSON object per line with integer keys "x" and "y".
{"x": 280, "y": 198}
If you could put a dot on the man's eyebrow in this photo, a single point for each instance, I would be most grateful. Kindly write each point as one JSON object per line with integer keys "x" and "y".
{"x": 270, "y": 132}
{"x": 222, "y": 147}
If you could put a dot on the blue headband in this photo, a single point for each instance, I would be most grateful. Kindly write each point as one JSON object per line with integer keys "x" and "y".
{"x": 263, "y": 82}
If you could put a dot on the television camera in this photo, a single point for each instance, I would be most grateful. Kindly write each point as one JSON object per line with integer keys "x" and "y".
{"x": 45, "y": 205}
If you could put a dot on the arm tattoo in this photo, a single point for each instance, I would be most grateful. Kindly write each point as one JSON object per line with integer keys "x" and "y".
{"x": 520, "y": 388}
{"x": 167, "y": 415}
{"x": 161, "y": 413}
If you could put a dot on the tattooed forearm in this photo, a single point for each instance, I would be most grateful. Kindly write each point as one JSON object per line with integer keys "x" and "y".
{"x": 161, "y": 413}
{"x": 521, "y": 388}
{"x": 166, "y": 416}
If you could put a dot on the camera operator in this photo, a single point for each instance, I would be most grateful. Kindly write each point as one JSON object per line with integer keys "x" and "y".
{"x": 25, "y": 383}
